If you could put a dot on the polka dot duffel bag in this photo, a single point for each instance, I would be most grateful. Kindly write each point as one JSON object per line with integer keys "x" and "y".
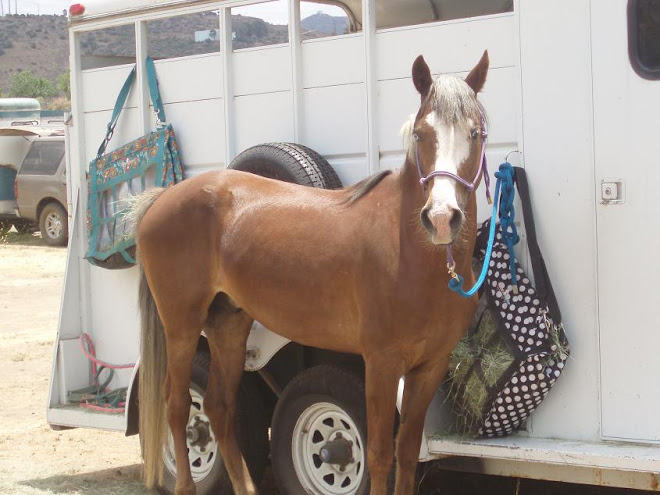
{"x": 516, "y": 347}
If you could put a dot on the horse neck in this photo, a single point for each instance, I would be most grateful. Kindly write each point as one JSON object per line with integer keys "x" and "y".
{"x": 416, "y": 249}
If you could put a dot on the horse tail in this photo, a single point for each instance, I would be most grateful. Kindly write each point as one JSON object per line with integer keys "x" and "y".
{"x": 151, "y": 397}
{"x": 153, "y": 365}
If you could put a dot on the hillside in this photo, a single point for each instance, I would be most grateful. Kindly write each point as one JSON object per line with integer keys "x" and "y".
{"x": 324, "y": 24}
{"x": 36, "y": 43}
{"x": 40, "y": 43}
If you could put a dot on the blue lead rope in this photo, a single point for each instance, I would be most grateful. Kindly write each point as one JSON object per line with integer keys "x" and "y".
{"x": 504, "y": 185}
{"x": 507, "y": 215}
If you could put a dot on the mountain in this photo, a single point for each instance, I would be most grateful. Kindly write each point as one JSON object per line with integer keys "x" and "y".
{"x": 325, "y": 24}
{"x": 41, "y": 43}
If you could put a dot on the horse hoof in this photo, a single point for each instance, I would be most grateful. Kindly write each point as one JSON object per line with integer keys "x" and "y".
{"x": 185, "y": 490}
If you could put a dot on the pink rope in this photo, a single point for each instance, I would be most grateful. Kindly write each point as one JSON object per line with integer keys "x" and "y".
{"x": 88, "y": 350}
{"x": 120, "y": 409}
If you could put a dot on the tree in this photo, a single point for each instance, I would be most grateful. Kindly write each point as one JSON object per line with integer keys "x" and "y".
{"x": 64, "y": 84}
{"x": 26, "y": 85}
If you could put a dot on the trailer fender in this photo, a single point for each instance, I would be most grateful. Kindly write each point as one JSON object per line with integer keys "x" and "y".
{"x": 262, "y": 345}
{"x": 132, "y": 413}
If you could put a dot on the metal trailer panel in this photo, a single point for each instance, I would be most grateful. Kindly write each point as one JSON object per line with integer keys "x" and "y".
{"x": 568, "y": 473}
{"x": 628, "y": 236}
{"x": 556, "y": 84}
{"x": 549, "y": 82}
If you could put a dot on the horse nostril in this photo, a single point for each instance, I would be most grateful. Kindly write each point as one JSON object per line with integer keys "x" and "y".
{"x": 456, "y": 220}
{"x": 426, "y": 220}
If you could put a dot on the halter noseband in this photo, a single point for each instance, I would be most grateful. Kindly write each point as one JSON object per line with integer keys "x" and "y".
{"x": 483, "y": 167}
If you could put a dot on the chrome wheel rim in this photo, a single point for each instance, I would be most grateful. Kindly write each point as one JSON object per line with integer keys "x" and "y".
{"x": 318, "y": 425}
{"x": 53, "y": 225}
{"x": 202, "y": 455}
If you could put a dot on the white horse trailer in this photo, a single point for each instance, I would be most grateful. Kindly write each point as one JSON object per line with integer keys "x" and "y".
{"x": 572, "y": 87}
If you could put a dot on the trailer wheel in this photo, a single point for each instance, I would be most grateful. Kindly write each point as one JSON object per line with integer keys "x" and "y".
{"x": 206, "y": 464}
{"x": 288, "y": 162}
{"x": 319, "y": 433}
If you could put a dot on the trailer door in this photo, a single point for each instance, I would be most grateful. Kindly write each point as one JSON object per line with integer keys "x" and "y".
{"x": 626, "y": 126}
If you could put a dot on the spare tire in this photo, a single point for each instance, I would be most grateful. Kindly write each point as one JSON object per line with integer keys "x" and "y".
{"x": 288, "y": 162}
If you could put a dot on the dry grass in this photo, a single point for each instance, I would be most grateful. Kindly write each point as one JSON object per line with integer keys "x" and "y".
{"x": 466, "y": 389}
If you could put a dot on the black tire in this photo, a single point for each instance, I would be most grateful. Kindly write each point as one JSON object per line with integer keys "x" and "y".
{"x": 251, "y": 431}
{"x": 308, "y": 401}
{"x": 54, "y": 225}
{"x": 332, "y": 180}
{"x": 288, "y": 162}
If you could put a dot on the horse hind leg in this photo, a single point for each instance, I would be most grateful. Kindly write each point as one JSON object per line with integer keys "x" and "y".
{"x": 227, "y": 329}
{"x": 182, "y": 335}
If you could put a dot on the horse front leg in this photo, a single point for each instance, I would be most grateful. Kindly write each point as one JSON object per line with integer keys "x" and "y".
{"x": 420, "y": 386}
{"x": 382, "y": 373}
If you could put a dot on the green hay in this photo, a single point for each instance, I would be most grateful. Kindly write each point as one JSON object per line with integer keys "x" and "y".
{"x": 558, "y": 343}
{"x": 495, "y": 362}
{"x": 466, "y": 389}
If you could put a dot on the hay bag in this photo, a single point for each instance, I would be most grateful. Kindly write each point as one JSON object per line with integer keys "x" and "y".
{"x": 516, "y": 347}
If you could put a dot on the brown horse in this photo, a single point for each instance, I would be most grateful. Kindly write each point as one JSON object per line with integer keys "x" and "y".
{"x": 358, "y": 270}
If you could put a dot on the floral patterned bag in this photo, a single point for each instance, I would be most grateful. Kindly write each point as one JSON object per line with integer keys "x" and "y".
{"x": 150, "y": 161}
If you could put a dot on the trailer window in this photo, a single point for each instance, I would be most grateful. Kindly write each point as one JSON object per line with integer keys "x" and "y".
{"x": 644, "y": 37}
{"x": 320, "y": 20}
{"x": 260, "y": 24}
{"x": 393, "y": 13}
{"x": 107, "y": 47}
{"x": 190, "y": 34}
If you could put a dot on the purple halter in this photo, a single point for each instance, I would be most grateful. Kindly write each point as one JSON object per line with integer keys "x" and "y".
{"x": 483, "y": 167}
{"x": 483, "y": 170}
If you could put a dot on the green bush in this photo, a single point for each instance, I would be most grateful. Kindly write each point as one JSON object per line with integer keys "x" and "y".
{"x": 64, "y": 84}
{"x": 26, "y": 85}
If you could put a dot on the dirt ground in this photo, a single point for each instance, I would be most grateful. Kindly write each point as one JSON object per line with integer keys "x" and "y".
{"x": 34, "y": 460}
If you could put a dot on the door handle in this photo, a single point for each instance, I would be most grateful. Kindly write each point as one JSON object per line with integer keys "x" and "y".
{"x": 612, "y": 192}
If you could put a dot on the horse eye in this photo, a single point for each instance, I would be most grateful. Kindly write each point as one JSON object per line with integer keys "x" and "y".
{"x": 474, "y": 133}
{"x": 415, "y": 136}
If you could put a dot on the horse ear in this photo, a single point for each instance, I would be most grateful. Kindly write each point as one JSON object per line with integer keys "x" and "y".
{"x": 477, "y": 77}
{"x": 421, "y": 75}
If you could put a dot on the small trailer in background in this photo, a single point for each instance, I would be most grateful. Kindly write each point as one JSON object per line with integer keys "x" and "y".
{"x": 573, "y": 86}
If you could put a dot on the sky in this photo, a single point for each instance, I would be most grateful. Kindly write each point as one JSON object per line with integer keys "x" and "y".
{"x": 273, "y": 12}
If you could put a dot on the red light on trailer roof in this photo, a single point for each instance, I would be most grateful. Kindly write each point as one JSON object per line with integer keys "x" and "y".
{"x": 76, "y": 9}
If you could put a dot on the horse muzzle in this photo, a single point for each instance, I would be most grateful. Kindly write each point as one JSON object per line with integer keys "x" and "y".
{"x": 442, "y": 223}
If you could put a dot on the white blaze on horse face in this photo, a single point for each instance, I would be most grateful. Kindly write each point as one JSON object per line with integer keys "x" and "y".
{"x": 453, "y": 149}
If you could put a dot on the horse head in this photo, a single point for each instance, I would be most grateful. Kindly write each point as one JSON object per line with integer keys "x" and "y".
{"x": 446, "y": 140}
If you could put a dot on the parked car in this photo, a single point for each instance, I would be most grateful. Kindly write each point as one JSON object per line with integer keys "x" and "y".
{"x": 40, "y": 189}
{"x": 14, "y": 144}
{"x": 7, "y": 201}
